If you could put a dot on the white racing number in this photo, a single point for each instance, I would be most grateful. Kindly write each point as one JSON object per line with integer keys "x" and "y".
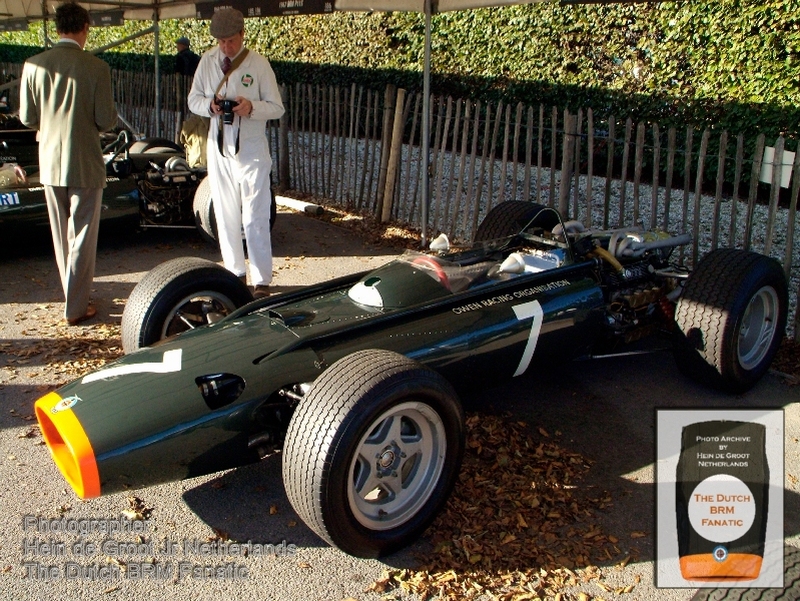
{"x": 170, "y": 363}
{"x": 526, "y": 311}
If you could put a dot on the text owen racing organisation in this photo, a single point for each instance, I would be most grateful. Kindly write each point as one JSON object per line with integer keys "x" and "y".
{"x": 507, "y": 298}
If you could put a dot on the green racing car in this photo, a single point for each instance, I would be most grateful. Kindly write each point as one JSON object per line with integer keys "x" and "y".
{"x": 357, "y": 380}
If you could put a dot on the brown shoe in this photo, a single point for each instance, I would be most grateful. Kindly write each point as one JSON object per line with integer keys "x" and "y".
{"x": 90, "y": 312}
{"x": 261, "y": 291}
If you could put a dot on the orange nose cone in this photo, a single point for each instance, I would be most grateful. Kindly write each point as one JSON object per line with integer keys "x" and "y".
{"x": 68, "y": 444}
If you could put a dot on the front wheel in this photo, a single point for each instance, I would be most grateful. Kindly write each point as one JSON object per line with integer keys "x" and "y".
{"x": 179, "y": 295}
{"x": 373, "y": 452}
{"x": 731, "y": 318}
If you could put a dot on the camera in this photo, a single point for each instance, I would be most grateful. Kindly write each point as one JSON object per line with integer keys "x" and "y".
{"x": 227, "y": 107}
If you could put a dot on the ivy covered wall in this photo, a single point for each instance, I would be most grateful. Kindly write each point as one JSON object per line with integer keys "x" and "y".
{"x": 732, "y": 64}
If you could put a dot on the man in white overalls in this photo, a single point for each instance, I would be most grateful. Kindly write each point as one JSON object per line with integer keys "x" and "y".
{"x": 238, "y": 156}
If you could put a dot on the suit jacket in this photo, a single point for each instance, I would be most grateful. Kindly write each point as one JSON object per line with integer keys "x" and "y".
{"x": 66, "y": 95}
{"x": 186, "y": 62}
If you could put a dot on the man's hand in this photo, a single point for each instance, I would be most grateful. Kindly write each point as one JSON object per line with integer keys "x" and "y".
{"x": 214, "y": 108}
{"x": 244, "y": 108}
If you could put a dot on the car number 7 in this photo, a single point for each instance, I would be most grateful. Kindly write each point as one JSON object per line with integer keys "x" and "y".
{"x": 524, "y": 311}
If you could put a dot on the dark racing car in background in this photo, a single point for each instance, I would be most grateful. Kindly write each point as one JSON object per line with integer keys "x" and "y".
{"x": 357, "y": 380}
{"x": 147, "y": 179}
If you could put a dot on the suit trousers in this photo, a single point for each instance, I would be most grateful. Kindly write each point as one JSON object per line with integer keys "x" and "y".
{"x": 75, "y": 223}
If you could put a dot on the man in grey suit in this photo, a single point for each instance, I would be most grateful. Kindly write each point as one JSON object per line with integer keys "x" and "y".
{"x": 66, "y": 94}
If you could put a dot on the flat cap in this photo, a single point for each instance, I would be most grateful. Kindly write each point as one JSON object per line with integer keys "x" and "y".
{"x": 226, "y": 22}
{"x": 183, "y": 40}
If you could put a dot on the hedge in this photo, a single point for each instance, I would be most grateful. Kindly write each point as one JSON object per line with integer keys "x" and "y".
{"x": 729, "y": 64}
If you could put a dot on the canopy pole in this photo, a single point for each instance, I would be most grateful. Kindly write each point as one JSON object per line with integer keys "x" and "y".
{"x": 156, "y": 53}
{"x": 426, "y": 125}
{"x": 47, "y": 43}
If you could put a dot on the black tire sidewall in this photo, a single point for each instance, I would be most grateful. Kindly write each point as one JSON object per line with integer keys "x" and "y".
{"x": 154, "y": 298}
{"x": 508, "y": 218}
{"x": 764, "y": 275}
{"x": 147, "y": 146}
{"x": 323, "y": 437}
{"x": 707, "y": 308}
{"x": 203, "y": 210}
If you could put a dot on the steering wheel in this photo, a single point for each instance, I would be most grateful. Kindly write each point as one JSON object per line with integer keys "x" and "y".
{"x": 433, "y": 265}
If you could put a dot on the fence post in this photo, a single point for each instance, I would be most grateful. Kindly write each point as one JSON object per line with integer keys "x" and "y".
{"x": 777, "y": 169}
{"x": 787, "y": 261}
{"x": 395, "y": 153}
{"x": 570, "y": 124}
{"x": 386, "y": 139}
{"x": 698, "y": 190}
{"x": 283, "y": 144}
{"x": 755, "y": 172}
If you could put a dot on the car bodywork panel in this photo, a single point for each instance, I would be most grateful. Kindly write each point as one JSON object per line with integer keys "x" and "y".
{"x": 491, "y": 331}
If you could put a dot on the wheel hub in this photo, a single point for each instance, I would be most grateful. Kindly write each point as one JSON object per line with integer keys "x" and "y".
{"x": 758, "y": 327}
{"x": 389, "y": 459}
{"x": 397, "y": 465}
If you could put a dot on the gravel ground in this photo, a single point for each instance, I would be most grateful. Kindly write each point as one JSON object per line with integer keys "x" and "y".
{"x": 604, "y": 417}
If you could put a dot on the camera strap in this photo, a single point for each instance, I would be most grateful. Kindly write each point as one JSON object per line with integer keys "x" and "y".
{"x": 234, "y": 65}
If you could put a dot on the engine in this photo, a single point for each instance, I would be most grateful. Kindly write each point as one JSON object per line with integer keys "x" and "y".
{"x": 640, "y": 284}
{"x": 639, "y": 303}
{"x": 166, "y": 193}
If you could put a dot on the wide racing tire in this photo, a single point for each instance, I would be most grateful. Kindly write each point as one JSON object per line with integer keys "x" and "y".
{"x": 203, "y": 209}
{"x": 151, "y": 145}
{"x": 509, "y": 217}
{"x": 162, "y": 150}
{"x": 373, "y": 451}
{"x": 204, "y": 212}
{"x": 731, "y": 318}
{"x": 181, "y": 294}
{"x": 789, "y": 592}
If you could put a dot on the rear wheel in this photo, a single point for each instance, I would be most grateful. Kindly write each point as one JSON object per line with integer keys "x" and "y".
{"x": 204, "y": 212}
{"x": 509, "y": 217}
{"x": 789, "y": 592}
{"x": 179, "y": 295}
{"x": 731, "y": 318}
{"x": 151, "y": 145}
{"x": 203, "y": 209}
{"x": 373, "y": 451}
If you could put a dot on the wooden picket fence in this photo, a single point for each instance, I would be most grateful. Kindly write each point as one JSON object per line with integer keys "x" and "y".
{"x": 361, "y": 149}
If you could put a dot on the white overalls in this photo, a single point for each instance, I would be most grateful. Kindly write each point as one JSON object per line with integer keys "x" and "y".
{"x": 239, "y": 181}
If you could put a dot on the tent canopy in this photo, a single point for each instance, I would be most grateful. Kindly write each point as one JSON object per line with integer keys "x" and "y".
{"x": 15, "y": 14}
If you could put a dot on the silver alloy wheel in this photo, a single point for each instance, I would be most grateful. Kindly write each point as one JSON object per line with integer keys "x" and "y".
{"x": 397, "y": 466}
{"x": 758, "y": 327}
{"x": 196, "y": 310}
